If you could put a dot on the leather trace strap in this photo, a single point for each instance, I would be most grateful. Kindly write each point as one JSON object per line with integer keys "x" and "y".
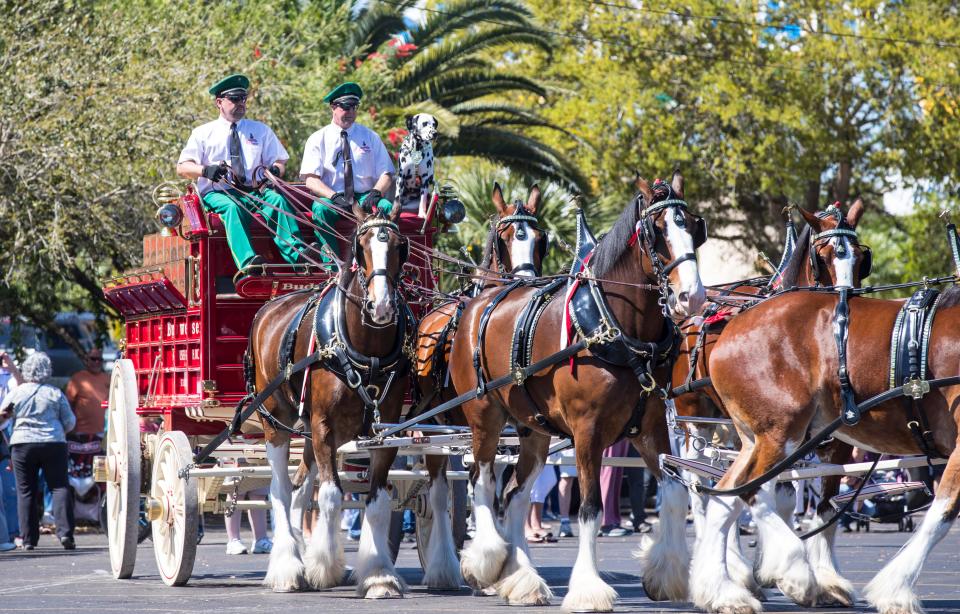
{"x": 849, "y": 413}
{"x": 815, "y": 440}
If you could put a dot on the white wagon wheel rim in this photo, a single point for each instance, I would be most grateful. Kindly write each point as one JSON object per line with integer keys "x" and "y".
{"x": 123, "y": 469}
{"x": 175, "y": 530}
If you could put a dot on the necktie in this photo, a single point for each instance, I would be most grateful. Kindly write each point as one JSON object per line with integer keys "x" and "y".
{"x": 347, "y": 166}
{"x": 236, "y": 156}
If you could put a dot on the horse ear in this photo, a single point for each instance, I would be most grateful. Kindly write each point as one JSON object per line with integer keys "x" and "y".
{"x": 644, "y": 189}
{"x": 359, "y": 213}
{"x": 498, "y": 199}
{"x": 815, "y": 223}
{"x": 856, "y": 212}
{"x": 677, "y": 183}
{"x": 395, "y": 211}
{"x": 533, "y": 199}
{"x": 637, "y": 179}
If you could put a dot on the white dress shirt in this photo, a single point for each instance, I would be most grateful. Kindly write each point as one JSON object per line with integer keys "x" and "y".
{"x": 322, "y": 157}
{"x": 209, "y": 144}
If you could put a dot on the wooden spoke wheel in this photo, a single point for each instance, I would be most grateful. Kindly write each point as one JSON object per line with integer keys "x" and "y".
{"x": 122, "y": 467}
{"x": 174, "y": 509}
{"x": 457, "y": 511}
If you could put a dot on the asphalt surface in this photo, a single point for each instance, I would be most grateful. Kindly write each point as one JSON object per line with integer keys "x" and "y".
{"x": 50, "y": 579}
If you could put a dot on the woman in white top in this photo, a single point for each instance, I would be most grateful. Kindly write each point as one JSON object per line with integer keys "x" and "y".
{"x": 41, "y": 419}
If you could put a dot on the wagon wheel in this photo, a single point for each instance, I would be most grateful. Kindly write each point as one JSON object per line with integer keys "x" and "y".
{"x": 122, "y": 467}
{"x": 458, "y": 519}
{"x": 174, "y": 509}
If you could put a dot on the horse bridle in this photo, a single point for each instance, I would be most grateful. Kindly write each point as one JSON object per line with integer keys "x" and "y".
{"x": 842, "y": 230}
{"x": 520, "y": 215}
{"x": 646, "y": 231}
{"x": 383, "y": 227}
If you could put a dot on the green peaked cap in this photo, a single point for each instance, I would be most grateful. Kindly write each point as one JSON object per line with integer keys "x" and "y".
{"x": 344, "y": 89}
{"x": 233, "y": 82}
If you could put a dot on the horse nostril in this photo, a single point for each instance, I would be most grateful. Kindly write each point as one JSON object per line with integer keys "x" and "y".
{"x": 683, "y": 297}
{"x": 369, "y": 306}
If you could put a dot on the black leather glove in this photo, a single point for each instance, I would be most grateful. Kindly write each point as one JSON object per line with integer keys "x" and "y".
{"x": 275, "y": 171}
{"x": 215, "y": 172}
{"x": 341, "y": 201}
{"x": 371, "y": 200}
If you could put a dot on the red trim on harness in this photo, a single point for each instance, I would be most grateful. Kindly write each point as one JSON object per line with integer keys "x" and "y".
{"x": 720, "y": 316}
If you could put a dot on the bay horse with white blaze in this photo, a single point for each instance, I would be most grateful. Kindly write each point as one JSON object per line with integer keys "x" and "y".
{"x": 361, "y": 330}
{"x": 515, "y": 245}
{"x": 827, "y": 253}
{"x": 643, "y": 268}
{"x": 777, "y": 370}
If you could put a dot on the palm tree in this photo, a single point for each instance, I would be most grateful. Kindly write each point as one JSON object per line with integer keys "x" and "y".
{"x": 445, "y": 69}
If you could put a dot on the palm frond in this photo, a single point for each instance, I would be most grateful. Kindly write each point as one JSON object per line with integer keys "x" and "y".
{"x": 440, "y": 56}
{"x": 375, "y": 25}
{"x": 486, "y": 112}
{"x": 467, "y": 13}
{"x": 516, "y": 151}
{"x": 457, "y": 87}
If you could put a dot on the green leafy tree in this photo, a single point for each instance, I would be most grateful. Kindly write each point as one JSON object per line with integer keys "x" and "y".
{"x": 457, "y": 66}
{"x": 805, "y": 102}
{"x": 100, "y": 97}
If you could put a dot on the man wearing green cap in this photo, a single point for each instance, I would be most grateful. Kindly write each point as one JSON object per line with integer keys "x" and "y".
{"x": 231, "y": 148}
{"x": 362, "y": 176}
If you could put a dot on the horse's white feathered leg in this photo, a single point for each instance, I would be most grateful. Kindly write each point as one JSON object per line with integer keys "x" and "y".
{"x": 285, "y": 572}
{"x": 711, "y": 588}
{"x": 664, "y": 558}
{"x": 891, "y": 591}
{"x": 323, "y": 559}
{"x": 443, "y": 569}
{"x": 375, "y": 574}
{"x": 482, "y": 561}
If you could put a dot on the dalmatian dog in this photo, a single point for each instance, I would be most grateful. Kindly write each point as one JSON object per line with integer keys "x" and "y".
{"x": 416, "y": 163}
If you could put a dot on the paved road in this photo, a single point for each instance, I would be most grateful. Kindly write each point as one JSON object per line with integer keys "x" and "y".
{"x": 52, "y": 580}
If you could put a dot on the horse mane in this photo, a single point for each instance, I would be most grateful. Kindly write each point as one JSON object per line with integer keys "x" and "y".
{"x": 616, "y": 240}
{"x": 950, "y": 297}
{"x": 791, "y": 272}
{"x": 487, "y": 258}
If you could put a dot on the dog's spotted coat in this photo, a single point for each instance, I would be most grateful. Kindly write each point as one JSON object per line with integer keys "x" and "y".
{"x": 416, "y": 161}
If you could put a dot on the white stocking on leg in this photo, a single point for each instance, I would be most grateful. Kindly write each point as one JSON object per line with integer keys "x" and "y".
{"x": 891, "y": 592}
{"x": 834, "y": 588}
{"x": 375, "y": 575}
{"x": 783, "y": 560}
{"x": 285, "y": 571}
{"x": 443, "y": 569}
{"x": 324, "y": 556}
{"x": 520, "y": 584}
{"x": 482, "y": 561}
{"x": 711, "y": 588}
{"x": 587, "y": 592}
{"x": 664, "y": 559}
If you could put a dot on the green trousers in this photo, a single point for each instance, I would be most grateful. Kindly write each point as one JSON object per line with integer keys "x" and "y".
{"x": 325, "y": 216}
{"x": 237, "y": 220}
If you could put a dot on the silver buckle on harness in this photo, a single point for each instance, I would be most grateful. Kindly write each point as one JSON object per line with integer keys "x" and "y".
{"x": 916, "y": 388}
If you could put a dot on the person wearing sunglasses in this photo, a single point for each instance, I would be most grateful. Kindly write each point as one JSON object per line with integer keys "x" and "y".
{"x": 86, "y": 390}
{"x": 223, "y": 156}
{"x": 362, "y": 177}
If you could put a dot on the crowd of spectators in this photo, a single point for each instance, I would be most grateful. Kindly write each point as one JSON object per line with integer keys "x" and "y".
{"x": 36, "y": 421}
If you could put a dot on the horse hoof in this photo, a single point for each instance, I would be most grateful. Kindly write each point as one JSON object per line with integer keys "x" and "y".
{"x": 589, "y": 596}
{"x": 381, "y": 587}
{"x": 524, "y": 587}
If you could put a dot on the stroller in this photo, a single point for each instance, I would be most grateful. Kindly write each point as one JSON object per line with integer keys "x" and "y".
{"x": 87, "y": 493}
{"x": 891, "y": 497}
